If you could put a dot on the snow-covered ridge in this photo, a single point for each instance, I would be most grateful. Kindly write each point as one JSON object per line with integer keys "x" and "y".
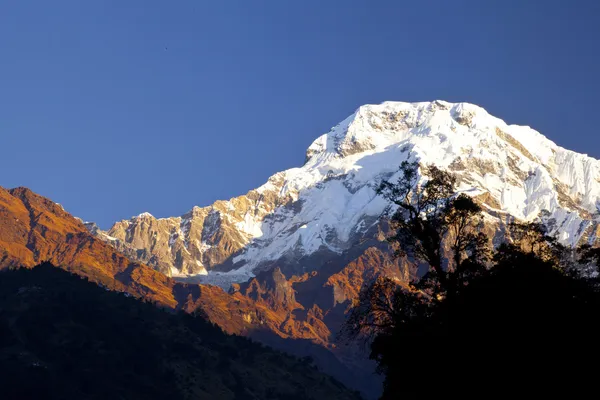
{"x": 330, "y": 202}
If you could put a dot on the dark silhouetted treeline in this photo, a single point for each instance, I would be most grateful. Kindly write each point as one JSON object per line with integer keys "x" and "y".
{"x": 524, "y": 326}
{"x": 518, "y": 320}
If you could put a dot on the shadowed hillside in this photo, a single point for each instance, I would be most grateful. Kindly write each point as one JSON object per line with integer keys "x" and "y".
{"x": 62, "y": 337}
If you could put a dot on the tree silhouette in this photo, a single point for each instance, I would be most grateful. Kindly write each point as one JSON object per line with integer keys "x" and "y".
{"x": 429, "y": 215}
{"x": 475, "y": 324}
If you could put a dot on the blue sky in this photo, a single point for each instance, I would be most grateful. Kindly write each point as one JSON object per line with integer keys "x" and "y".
{"x": 112, "y": 108}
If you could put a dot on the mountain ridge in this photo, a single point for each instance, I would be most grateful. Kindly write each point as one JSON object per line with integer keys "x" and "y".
{"x": 34, "y": 229}
{"x": 304, "y": 216}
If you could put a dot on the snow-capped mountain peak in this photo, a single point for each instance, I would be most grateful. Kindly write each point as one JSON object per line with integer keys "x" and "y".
{"x": 303, "y": 216}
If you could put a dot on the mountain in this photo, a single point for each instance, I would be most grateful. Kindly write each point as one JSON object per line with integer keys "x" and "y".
{"x": 295, "y": 252}
{"x": 65, "y": 338}
{"x": 34, "y": 229}
{"x": 283, "y": 263}
{"x": 327, "y": 209}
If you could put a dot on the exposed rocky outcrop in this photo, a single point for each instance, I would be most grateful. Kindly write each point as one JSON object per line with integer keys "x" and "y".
{"x": 272, "y": 288}
{"x": 204, "y": 238}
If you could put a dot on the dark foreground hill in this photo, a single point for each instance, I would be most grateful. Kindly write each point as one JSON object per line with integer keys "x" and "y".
{"x": 62, "y": 337}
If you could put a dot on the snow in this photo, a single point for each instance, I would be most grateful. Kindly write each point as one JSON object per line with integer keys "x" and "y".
{"x": 336, "y": 185}
{"x": 202, "y": 246}
{"x": 335, "y": 188}
{"x": 175, "y": 273}
{"x": 250, "y": 226}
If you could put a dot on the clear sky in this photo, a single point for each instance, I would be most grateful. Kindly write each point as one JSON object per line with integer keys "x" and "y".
{"x": 112, "y": 108}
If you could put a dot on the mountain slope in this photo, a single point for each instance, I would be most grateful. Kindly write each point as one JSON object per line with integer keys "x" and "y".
{"x": 304, "y": 217}
{"x": 63, "y": 337}
{"x": 34, "y": 229}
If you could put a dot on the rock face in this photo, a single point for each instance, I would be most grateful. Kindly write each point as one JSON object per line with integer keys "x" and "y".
{"x": 200, "y": 240}
{"x": 272, "y": 288}
{"x": 305, "y": 217}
